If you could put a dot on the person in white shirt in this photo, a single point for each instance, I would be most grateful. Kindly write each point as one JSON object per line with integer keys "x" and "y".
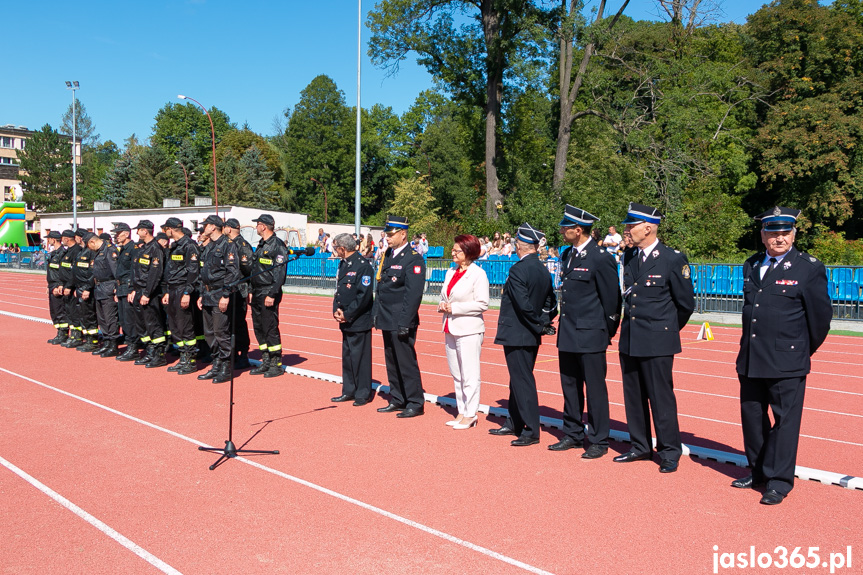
{"x": 612, "y": 242}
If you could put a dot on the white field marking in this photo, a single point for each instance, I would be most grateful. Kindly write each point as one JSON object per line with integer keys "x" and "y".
{"x": 100, "y": 525}
{"x": 303, "y": 482}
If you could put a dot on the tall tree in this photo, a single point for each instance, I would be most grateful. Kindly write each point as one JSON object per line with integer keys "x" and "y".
{"x": 152, "y": 179}
{"x": 96, "y": 162}
{"x": 85, "y": 130}
{"x": 46, "y": 171}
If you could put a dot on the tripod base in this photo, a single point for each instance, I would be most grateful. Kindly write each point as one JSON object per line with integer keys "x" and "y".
{"x": 230, "y": 451}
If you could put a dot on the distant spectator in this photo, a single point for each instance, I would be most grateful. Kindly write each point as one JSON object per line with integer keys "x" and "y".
{"x": 425, "y": 243}
{"x": 322, "y": 239}
{"x": 417, "y": 244}
{"x": 508, "y": 247}
{"x": 328, "y": 244}
{"x": 484, "y": 247}
{"x": 596, "y": 235}
{"x": 612, "y": 242}
{"x": 367, "y": 246}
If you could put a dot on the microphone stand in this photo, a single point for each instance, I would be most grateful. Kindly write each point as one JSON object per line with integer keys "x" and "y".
{"x": 230, "y": 450}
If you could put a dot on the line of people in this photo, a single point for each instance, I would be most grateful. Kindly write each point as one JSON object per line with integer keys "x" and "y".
{"x": 169, "y": 289}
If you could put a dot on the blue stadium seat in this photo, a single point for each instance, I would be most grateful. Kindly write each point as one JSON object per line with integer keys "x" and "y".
{"x": 831, "y": 289}
{"x": 842, "y": 275}
{"x": 438, "y": 275}
{"x": 723, "y": 286}
{"x": 721, "y": 272}
{"x": 848, "y": 291}
{"x": 858, "y": 275}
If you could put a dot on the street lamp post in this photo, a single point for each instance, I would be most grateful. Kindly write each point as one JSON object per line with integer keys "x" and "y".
{"x": 73, "y": 85}
{"x": 325, "y": 197}
{"x": 186, "y": 175}
{"x": 213, "y": 134}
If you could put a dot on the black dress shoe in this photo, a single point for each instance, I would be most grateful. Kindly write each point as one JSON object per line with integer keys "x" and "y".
{"x": 502, "y": 430}
{"x": 668, "y": 466}
{"x": 524, "y": 441}
{"x": 390, "y": 408}
{"x": 772, "y": 497}
{"x": 630, "y": 456}
{"x": 746, "y": 483}
{"x": 359, "y": 402}
{"x": 594, "y": 452}
{"x": 566, "y": 443}
{"x": 411, "y": 412}
{"x": 342, "y": 398}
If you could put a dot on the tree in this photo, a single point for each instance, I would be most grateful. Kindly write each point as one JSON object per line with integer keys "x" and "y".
{"x": 85, "y": 130}
{"x": 471, "y": 60}
{"x": 152, "y": 179}
{"x": 257, "y": 180}
{"x": 240, "y": 141}
{"x": 413, "y": 199}
{"x": 96, "y": 162}
{"x": 46, "y": 171}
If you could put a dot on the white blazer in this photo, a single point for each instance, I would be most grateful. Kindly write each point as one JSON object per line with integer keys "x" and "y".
{"x": 469, "y": 299}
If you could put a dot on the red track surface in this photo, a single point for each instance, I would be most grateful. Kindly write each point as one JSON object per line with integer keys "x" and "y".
{"x": 552, "y": 511}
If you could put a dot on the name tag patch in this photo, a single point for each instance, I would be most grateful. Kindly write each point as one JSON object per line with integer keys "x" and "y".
{"x": 177, "y": 258}
{"x": 265, "y": 261}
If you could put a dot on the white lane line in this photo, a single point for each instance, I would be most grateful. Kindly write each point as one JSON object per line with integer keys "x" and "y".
{"x": 100, "y": 525}
{"x": 303, "y": 482}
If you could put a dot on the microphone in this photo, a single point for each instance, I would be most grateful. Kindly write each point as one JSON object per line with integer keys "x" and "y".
{"x": 309, "y": 251}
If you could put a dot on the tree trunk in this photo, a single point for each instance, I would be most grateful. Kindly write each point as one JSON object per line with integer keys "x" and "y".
{"x": 494, "y": 90}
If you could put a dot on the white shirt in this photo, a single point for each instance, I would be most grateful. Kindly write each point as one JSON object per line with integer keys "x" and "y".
{"x": 644, "y": 252}
{"x": 613, "y": 238}
{"x": 398, "y": 250}
{"x": 765, "y": 265}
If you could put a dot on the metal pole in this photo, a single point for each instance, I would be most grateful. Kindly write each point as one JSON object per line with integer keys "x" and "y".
{"x": 213, "y": 134}
{"x": 359, "y": 121}
{"x": 74, "y": 165}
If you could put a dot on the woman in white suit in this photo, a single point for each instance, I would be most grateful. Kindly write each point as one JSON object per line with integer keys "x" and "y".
{"x": 464, "y": 297}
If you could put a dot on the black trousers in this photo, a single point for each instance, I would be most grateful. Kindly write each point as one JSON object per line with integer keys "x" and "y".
{"x": 523, "y": 401}
{"x": 126, "y": 316}
{"x": 198, "y": 325}
{"x": 241, "y": 328}
{"x": 265, "y": 321}
{"x": 403, "y": 372}
{"x": 87, "y": 313}
{"x": 577, "y": 372}
{"x": 57, "y": 309}
{"x": 217, "y": 329}
{"x": 181, "y": 322}
{"x": 648, "y": 385}
{"x": 106, "y": 314}
{"x": 148, "y": 320}
{"x": 73, "y": 316}
{"x": 772, "y": 449}
{"x": 357, "y": 364}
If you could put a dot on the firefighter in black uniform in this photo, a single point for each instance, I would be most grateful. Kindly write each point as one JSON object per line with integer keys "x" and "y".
{"x": 67, "y": 276}
{"x": 123, "y": 273}
{"x": 786, "y": 318}
{"x": 247, "y": 256}
{"x": 267, "y": 295}
{"x": 589, "y": 317}
{"x": 401, "y": 280}
{"x": 181, "y": 279}
{"x": 56, "y": 305}
{"x": 658, "y": 301}
{"x": 146, "y": 283}
{"x": 352, "y": 308}
{"x": 220, "y": 267}
{"x": 104, "y": 293}
{"x": 85, "y": 291}
{"x": 203, "y": 348}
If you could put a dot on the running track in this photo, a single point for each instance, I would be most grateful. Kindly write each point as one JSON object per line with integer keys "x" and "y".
{"x": 124, "y": 490}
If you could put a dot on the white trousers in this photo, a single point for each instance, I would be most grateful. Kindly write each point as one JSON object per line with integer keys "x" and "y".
{"x": 462, "y": 354}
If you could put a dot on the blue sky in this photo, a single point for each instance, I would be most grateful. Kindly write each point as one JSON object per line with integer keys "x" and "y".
{"x": 250, "y": 59}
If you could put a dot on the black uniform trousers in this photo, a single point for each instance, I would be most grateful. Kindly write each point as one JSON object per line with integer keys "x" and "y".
{"x": 198, "y": 326}
{"x": 126, "y": 316}
{"x": 87, "y": 314}
{"x": 181, "y": 321}
{"x": 241, "y": 328}
{"x": 577, "y": 372}
{"x": 217, "y": 330}
{"x": 106, "y": 314}
{"x": 357, "y": 364}
{"x": 57, "y": 309}
{"x": 772, "y": 450}
{"x": 523, "y": 401}
{"x": 148, "y": 320}
{"x": 73, "y": 316}
{"x": 265, "y": 321}
{"x": 649, "y": 379}
{"x": 403, "y": 372}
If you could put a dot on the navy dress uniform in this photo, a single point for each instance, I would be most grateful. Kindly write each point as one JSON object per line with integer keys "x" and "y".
{"x": 83, "y": 272}
{"x": 354, "y": 298}
{"x": 56, "y": 305}
{"x": 525, "y": 308}
{"x": 268, "y": 273}
{"x": 147, "y": 270}
{"x": 786, "y": 318}
{"x": 401, "y": 281}
{"x": 67, "y": 277}
{"x": 590, "y": 302}
{"x": 181, "y": 278}
{"x": 658, "y": 301}
{"x": 104, "y": 270}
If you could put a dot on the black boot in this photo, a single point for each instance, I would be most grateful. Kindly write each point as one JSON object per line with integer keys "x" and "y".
{"x": 224, "y": 374}
{"x": 59, "y": 338}
{"x": 74, "y": 339}
{"x": 111, "y": 350}
{"x": 214, "y": 369}
{"x": 187, "y": 363}
{"x": 242, "y": 361}
{"x": 176, "y": 366}
{"x": 91, "y": 344}
{"x": 158, "y": 359}
{"x": 130, "y": 353}
{"x": 275, "y": 369}
{"x": 106, "y": 343}
{"x": 265, "y": 364}
{"x": 148, "y": 356}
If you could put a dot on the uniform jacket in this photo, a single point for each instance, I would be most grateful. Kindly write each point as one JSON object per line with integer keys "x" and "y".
{"x": 147, "y": 269}
{"x": 468, "y": 299}
{"x": 104, "y": 268}
{"x": 123, "y": 273}
{"x": 658, "y": 300}
{"x": 83, "y": 271}
{"x": 400, "y": 290}
{"x": 590, "y": 300}
{"x": 67, "y": 266}
{"x": 354, "y": 293}
{"x": 220, "y": 267}
{"x": 786, "y": 316}
{"x": 526, "y": 293}
{"x": 271, "y": 253}
{"x": 181, "y": 266}
{"x": 55, "y": 260}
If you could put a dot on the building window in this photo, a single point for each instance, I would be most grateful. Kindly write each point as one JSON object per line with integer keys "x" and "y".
{"x": 7, "y": 142}
{"x": 8, "y": 161}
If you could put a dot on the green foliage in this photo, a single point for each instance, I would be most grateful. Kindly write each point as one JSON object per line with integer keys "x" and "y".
{"x": 85, "y": 130}
{"x": 152, "y": 178}
{"x": 833, "y": 249}
{"x": 247, "y": 181}
{"x": 413, "y": 199}
{"x": 46, "y": 171}
{"x": 178, "y": 122}
{"x": 240, "y": 141}
{"x": 96, "y": 162}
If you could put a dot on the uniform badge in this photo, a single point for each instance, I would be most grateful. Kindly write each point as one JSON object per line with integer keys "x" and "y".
{"x": 656, "y": 253}
{"x": 786, "y": 265}
{"x": 279, "y": 259}
{"x": 193, "y": 257}
{"x": 777, "y": 211}
{"x": 155, "y": 261}
{"x": 244, "y": 259}
{"x": 348, "y": 286}
{"x": 351, "y": 273}
{"x": 230, "y": 257}
{"x": 114, "y": 255}
{"x": 394, "y": 278}
{"x": 813, "y": 260}
{"x": 418, "y": 269}
{"x": 366, "y": 280}
{"x": 686, "y": 272}
{"x": 396, "y": 267}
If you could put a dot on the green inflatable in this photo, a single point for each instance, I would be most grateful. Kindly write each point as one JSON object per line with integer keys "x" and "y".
{"x": 12, "y": 224}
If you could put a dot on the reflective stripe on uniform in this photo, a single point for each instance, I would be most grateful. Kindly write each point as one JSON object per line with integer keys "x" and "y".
{"x": 262, "y": 346}
{"x": 191, "y": 342}
{"x": 158, "y": 340}
{"x": 276, "y": 347}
